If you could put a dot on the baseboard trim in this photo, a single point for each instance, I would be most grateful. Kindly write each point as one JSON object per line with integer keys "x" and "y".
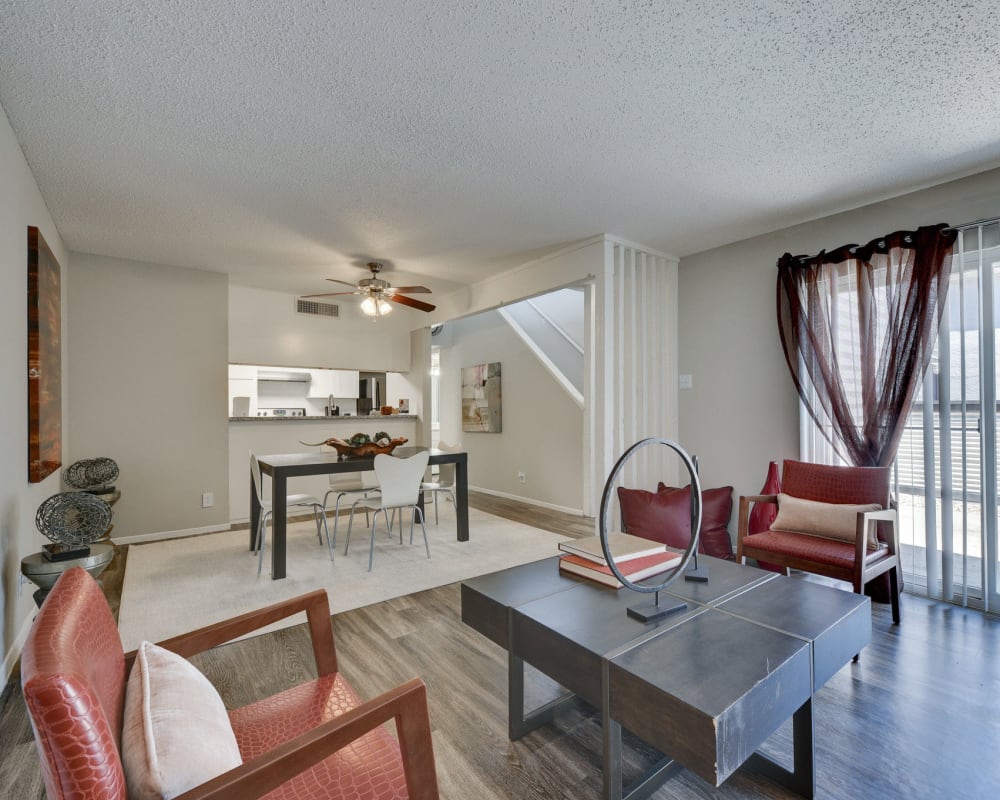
{"x": 160, "y": 535}
{"x": 11, "y": 656}
{"x": 528, "y": 500}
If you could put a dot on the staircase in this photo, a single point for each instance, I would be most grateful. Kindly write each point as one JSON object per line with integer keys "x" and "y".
{"x": 552, "y": 327}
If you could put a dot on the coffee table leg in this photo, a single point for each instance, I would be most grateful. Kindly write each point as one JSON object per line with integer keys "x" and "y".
{"x": 804, "y": 750}
{"x": 518, "y": 722}
{"x": 802, "y": 777}
{"x": 612, "y": 778}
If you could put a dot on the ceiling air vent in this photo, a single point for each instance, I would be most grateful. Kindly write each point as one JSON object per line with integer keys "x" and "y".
{"x": 316, "y": 309}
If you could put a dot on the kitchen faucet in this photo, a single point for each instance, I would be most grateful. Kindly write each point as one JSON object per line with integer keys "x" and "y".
{"x": 331, "y": 406}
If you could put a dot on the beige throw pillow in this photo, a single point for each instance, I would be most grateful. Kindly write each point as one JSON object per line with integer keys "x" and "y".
{"x": 176, "y": 733}
{"x": 829, "y": 520}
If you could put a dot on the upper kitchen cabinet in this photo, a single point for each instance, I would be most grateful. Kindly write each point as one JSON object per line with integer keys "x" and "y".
{"x": 242, "y": 372}
{"x": 341, "y": 383}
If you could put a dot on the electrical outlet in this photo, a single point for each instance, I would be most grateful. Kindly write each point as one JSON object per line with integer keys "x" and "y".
{"x": 207, "y": 499}
{"x": 685, "y": 381}
{"x": 520, "y": 477}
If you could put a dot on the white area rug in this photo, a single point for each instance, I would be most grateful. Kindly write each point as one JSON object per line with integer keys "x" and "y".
{"x": 178, "y": 585}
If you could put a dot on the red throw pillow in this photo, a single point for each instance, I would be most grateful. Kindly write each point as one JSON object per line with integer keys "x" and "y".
{"x": 665, "y": 516}
{"x": 658, "y": 516}
{"x": 716, "y": 509}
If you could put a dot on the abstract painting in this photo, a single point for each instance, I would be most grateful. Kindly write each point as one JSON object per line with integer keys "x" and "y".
{"x": 481, "y": 398}
{"x": 44, "y": 360}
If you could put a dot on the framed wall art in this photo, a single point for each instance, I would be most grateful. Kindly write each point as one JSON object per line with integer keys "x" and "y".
{"x": 481, "y": 399}
{"x": 44, "y": 360}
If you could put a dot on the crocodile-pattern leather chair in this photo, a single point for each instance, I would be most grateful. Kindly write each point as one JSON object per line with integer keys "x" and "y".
{"x": 855, "y": 561}
{"x": 316, "y": 741}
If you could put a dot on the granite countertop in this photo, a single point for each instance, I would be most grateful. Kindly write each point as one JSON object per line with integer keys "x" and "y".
{"x": 355, "y": 419}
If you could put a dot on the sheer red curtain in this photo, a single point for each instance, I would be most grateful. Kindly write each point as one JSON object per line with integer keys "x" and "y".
{"x": 858, "y": 326}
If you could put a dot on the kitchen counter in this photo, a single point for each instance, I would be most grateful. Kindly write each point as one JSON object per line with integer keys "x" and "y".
{"x": 374, "y": 418}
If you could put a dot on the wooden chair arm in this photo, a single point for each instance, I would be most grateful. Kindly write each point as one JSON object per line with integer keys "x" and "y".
{"x": 743, "y": 525}
{"x": 867, "y": 518}
{"x": 406, "y": 704}
{"x": 315, "y": 604}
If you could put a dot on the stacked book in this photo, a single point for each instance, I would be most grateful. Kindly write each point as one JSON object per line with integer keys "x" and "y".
{"x": 635, "y": 557}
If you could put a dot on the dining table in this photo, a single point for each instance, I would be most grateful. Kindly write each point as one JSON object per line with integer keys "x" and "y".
{"x": 281, "y": 467}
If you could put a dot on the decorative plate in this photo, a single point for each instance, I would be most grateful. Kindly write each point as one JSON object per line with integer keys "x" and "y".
{"x": 73, "y": 518}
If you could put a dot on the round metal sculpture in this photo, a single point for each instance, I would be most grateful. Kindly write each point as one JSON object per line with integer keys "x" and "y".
{"x": 90, "y": 473}
{"x": 654, "y": 611}
{"x": 73, "y": 519}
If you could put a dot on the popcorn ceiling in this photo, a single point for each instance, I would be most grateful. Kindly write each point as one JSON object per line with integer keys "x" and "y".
{"x": 282, "y": 141}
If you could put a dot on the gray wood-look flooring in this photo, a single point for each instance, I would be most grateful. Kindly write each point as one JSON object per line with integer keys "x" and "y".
{"x": 917, "y": 717}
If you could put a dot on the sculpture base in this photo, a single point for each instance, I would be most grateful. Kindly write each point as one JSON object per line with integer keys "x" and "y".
{"x": 696, "y": 573}
{"x": 650, "y": 612}
{"x": 62, "y": 552}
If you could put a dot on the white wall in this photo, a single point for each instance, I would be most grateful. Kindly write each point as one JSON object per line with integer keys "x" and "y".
{"x": 264, "y": 328}
{"x": 743, "y": 409}
{"x": 21, "y": 205}
{"x": 542, "y": 427}
{"x": 148, "y": 377}
{"x": 575, "y": 264}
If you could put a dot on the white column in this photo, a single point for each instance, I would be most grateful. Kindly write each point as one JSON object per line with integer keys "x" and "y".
{"x": 634, "y": 376}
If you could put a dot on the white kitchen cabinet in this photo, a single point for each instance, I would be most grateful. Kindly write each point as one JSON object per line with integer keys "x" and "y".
{"x": 242, "y": 372}
{"x": 347, "y": 383}
{"x": 341, "y": 383}
{"x": 321, "y": 383}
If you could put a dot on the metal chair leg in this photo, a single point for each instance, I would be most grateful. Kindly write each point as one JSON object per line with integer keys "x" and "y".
{"x": 336, "y": 520}
{"x": 371, "y": 545}
{"x": 423, "y": 527}
{"x": 319, "y": 530}
{"x": 350, "y": 524}
{"x": 261, "y": 539}
{"x": 326, "y": 528}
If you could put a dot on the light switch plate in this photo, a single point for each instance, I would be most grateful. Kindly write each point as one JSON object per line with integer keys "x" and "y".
{"x": 685, "y": 382}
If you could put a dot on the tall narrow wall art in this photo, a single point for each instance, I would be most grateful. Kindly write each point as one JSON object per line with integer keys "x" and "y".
{"x": 481, "y": 398}
{"x": 44, "y": 360}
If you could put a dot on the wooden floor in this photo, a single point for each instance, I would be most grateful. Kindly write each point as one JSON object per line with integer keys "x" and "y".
{"x": 917, "y": 717}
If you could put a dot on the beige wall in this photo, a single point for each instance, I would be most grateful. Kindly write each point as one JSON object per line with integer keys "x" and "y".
{"x": 148, "y": 377}
{"x": 264, "y": 328}
{"x": 542, "y": 426}
{"x": 743, "y": 409}
{"x": 21, "y": 205}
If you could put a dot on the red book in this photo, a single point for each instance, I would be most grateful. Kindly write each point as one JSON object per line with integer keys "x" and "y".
{"x": 635, "y": 569}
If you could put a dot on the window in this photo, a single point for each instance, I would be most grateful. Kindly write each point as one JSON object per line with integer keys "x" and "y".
{"x": 945, "y": 473}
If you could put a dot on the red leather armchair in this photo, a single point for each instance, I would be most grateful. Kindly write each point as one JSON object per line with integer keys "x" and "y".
{"x": 855, "y": 562}
{"x": 316, "y": 740}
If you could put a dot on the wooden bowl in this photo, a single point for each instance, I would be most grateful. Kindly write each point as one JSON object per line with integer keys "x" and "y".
{"x": 367, "y": 449}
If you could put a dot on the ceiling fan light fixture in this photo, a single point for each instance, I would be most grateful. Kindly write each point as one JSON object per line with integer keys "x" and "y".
{"x": 375, "y": 306}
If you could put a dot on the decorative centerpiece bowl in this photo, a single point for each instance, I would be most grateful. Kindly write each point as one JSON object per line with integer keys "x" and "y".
{"x": 362, "y": 445}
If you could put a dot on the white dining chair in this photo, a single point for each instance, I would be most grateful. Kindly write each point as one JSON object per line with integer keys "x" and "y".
{"x": 344, "y": 484}
{"x": 303, "y": 500}
{"x": 399, "y": 480}
{"x": 445, "y": 478}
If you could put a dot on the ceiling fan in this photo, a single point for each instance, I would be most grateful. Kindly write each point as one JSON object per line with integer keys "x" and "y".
{"x": 377, "y": 292}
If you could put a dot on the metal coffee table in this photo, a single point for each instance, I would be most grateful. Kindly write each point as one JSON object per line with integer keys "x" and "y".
{"x": 705, "y": 686}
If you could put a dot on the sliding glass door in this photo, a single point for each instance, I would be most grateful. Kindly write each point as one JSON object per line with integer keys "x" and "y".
{"x": 946, "y": 468}
{"x": 945, "y": 473}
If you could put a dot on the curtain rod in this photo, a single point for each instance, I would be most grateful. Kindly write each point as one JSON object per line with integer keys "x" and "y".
{"x": 975, "y": 224}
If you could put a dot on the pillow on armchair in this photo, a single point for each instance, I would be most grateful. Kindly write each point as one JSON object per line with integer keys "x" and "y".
{"x": 665, "y": 516}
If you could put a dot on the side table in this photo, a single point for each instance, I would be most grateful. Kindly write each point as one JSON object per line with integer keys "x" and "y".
{"x": 44, "y": 573}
